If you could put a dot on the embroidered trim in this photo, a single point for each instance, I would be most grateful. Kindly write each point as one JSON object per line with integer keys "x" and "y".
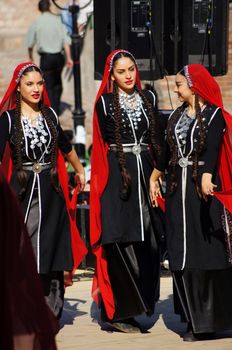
{"x": 187, "y": 76}
{"x": 22, "y": 70}
{"x": 112, "y": 58}
{"x": 227, "y": 226}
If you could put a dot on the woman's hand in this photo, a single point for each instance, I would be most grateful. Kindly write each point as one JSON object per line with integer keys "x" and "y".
{"x": 207, "y": 187}
{"x": 80, "y": 180}
{"x": 72, "y": 157}
{"x": 154, "y": 188}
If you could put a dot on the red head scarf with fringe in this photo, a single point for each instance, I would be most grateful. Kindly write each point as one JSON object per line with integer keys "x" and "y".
{"x": 99, "y": 177}
{"x": 9, "y": 102}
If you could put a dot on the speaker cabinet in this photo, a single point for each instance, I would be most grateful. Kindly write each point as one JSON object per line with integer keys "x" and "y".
{"x": 196, "y": 31}
{"x": 138, "y": 29}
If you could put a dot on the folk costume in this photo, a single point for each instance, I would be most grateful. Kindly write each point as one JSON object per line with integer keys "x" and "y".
{"x": 123, "y": 230}
{"x": 198, "y": 231}
{"x": 25, "y": 316}
{"x": 48, "y": 213}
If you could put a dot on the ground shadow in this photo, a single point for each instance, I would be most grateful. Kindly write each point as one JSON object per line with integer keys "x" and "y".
{"x": 70, "y": 311}
{"x": 144, "y": 321}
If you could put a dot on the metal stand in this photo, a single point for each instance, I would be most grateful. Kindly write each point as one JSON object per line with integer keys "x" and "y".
{"x": 78, "y": 113}
{"x": 112, "y": 26}
{"x": 176, "y": 36}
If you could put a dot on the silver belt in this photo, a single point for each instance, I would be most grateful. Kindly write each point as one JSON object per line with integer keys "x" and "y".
{"x": 136, "y": 149}
{"x": 37, "y": 167}
{"x": 184, "y": 162}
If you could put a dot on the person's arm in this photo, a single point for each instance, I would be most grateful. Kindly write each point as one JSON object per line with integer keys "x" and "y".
{"x": 154, "y": 186}
{"x": 31, "y": 40}
{"x": 72, "y": 157}
{"x": 66, "y": 46}
{"x": 160, "y": 156}
{"x": 210, "y": 155}
{"x": 78, "y": 167}
{"x": 30, "y": 54}
{"x": 69, "y": 61}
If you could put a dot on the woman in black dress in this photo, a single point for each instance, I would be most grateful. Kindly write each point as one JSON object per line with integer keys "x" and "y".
{"x": 31, "y": 134}
{"x": 197, "y": 224}
{"x": 124, "y": 227}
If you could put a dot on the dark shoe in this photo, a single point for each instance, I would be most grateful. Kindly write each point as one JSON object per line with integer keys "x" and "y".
{"x": 125, "y": 327}
{"x": 190, "y": 336}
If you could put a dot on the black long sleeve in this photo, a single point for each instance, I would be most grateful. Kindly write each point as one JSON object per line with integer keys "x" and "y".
{"x": 214, "y": 139}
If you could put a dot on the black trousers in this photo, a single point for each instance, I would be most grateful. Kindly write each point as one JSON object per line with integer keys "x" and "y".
{"x": 52, "y": 66}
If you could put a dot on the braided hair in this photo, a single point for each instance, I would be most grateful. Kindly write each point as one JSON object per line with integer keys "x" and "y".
{"x": 173, "y": 146}
{"x": 21, "y": 174}
{"x": 152, "y": 125}
{"x": 126, "y": 178}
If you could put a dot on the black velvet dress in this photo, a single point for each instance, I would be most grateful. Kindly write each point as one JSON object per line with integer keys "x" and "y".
{"x": 130, "y": 227}
{"x": 43, "y": 207}
{"x": 196, "y": 239}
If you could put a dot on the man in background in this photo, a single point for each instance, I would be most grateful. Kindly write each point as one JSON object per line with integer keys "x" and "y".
{"x": 52, "y": 41}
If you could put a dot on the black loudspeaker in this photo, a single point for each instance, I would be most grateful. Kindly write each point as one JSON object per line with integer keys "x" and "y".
{"x": 135, "y": 26}
{"x": 196, "y": 31}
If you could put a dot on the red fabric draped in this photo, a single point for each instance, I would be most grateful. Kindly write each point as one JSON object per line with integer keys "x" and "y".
{"x": 79, "y": 249}
{"x": 99, "y": 176}
{"x": 8, "y": 102}
{"x": 207, "y": 87}
{"x": 25, "y": 316}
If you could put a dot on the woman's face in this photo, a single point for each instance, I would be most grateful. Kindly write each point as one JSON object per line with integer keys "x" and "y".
{"x": 124, "y": 74}
{"x": 185, "y": 94}
{"x": 31, "y": 87}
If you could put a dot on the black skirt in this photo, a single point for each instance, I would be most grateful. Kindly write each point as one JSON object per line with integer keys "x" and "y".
{"x": 203, "y": 297}
{"x": 134, "y": 270}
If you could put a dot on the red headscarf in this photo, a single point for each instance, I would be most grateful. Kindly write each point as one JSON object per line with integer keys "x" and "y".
{"x": 201, "y": 82}
{"x": 8, "y": 103}
{"x": 99, "y": 177}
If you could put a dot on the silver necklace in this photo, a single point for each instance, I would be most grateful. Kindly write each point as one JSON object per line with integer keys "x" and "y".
{"x": 132, "y": 106}
{"x": 34, "y": 132}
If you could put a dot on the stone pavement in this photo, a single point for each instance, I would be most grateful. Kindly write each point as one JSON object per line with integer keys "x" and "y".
{"x": 80, "y": 328}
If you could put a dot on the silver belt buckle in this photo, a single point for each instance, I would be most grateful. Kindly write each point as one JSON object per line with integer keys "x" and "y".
{"x": 136, "y": 149}
{"x": 37, "y": 168}
{"x": 183, "y": 162}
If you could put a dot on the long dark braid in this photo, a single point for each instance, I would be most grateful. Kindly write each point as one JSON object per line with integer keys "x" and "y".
{"x": 21, "y": 174}
{"x": 151, "y": 117}
{"x": 126, "y": 178}
{"x": 173, "y": 147}
{"x": 53, "y": 171}
{"x": 201, "y": 144}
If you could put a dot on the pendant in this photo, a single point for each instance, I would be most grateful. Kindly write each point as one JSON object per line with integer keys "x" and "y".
{"x": 136, "y": 149}
{"x": 183, "y": 162}
{"x": 37, "y": 168}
